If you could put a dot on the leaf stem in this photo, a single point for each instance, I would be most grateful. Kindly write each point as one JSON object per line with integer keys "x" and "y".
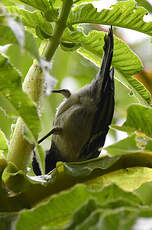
{"x": 20, "y": 148}
{"x": 58, "y": 31}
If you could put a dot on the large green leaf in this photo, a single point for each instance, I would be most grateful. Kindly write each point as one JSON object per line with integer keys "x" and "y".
{"x": 82, "y": 208}
{"x": 138, "y": 119}
{"x": 95, "y": 173}
{"x": 103, "y": 219}
{"x": 123, "y": 14}
{"x": 12, "y": 94}
{"x": 94, "y": 215}
{"x": 125, "y": 61}
{"x": 60, "y": 208}
{"x": 128, "y": 179}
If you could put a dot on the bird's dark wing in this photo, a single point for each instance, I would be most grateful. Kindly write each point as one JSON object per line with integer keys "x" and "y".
{"x": 102, "y": 89}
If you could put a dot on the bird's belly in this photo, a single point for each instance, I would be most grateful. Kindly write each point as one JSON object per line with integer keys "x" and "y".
{"x": 76, "y": 126}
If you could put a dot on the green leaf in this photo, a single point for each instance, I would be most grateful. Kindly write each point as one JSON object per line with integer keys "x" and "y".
{"x": 77, "y": 2}
{"x": 17, "y": 28}
{"x": 32, "y": 19}
{"x": 145, "y": 4}
{"x": 7, "y": 2}
{"x": 124, "y": 60}
{"x": 146, "y": 212}
{"x": 133, "y": 144}
{"x": 11, "y": 92}
{"x": 144, "y": 192}
{"x": 60, "y": 207}
{"x": 7, "y": 107}
{"x": 126, "y": 63}
{"x": 41, "y": 33}
{"x": 67, "y": 175}
{"x": 3, "y": 142}
{"x": 85, "y": 168}
{"x": 19, "y": 58}
{"x": 90, "y": 214}
{"x": 136, "y": 88}
{"x": 125, "y": 146}
{"x": 3, "y": 164}
{"x": 10, "y": 2}
{"x": 138, "y": 119}
{"x": 123, "y": 14}
{"x": 5, "y": 121}
{"x": 122, "y": 218}
{"x": 68, "y": 46}
{"x": 41, "y": 158}
{"x": 30, "y": 46}
{"x": 42, "y": 5}
{"x": 128, "y": 179}
{"x": 82, "y": 214}
{"x": 13, "y": 32}
{"x": 56, "y": 3}
{"x": 8, "y": 37}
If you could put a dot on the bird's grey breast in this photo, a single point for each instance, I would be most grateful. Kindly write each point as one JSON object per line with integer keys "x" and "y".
{"x": 74, "y": 116}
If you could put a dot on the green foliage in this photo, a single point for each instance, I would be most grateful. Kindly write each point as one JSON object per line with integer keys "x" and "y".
{"x": 109, "y": 207}
{"x": 138, "y": 119}
{"x": 124, "y": 14}
{"x": 145, "y": 4}
{"x": 32, "y": 19}
{"x": 38, "y": 4}
{"x": 20, "y": 102}
{"x": 8, "y": 37}
{"x": 126, "y": 63}
{"x": 109, "y": 192}
{"x": 3, "y": 143}
{"x": 83, "y": 205}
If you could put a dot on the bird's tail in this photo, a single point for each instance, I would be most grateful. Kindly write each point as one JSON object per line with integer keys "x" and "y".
{"x": 108, "y": 53}
{"x": 99, "y": 84}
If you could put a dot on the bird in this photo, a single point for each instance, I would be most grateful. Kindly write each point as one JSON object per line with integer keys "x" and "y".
{"x": 82, "y": 120}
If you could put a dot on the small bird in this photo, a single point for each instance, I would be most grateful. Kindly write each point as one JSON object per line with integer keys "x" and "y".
{"x": 82, "y": 120}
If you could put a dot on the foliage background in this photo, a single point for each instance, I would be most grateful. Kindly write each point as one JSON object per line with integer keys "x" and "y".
{"x": 110, "y": 192}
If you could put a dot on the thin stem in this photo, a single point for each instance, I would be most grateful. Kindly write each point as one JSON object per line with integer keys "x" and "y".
{"x": 58, "y": 31}
{"x": 20, "y": 149}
